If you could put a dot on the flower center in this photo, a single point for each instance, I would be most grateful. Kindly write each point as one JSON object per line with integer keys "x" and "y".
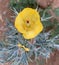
{"x": 27, "y": 22}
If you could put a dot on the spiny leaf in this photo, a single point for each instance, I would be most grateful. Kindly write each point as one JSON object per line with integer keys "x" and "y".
{"x": 56, "y": 11}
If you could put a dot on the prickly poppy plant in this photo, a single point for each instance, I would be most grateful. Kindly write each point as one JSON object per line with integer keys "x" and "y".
{"x": 18, "y": 50}
{"x": 26, "y": 39}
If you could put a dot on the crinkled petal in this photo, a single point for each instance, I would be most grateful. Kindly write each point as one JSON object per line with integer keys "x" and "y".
{"x": 34, "y": 32}
{"x": 19, "y": 23}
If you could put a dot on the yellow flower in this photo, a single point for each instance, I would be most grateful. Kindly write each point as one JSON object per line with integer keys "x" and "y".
{"x": 28, "y": 23}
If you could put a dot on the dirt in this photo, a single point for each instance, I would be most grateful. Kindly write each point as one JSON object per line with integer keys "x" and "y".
{"x": 45, "y": 3}
{"x": 5, "y": 12}
{"x": 54, "y": 58}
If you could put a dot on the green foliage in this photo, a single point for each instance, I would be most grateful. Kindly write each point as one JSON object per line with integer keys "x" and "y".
{"x": 55, "y": 31}
{"x": 20, "y": 4}
{"x": 56, "y": 11}
{"x": 54, "y": 26}
{"x": 10, "y": 52}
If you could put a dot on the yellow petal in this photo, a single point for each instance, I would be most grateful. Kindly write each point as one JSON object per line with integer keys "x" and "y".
{"x": 34, "y": 32}
{"x": 19, "y": 23}
{"x": 38, "y": 28}
{"x": 26, "y": 49}
{"x": 19, "y": 45}
{"x": 22, "y": 46}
